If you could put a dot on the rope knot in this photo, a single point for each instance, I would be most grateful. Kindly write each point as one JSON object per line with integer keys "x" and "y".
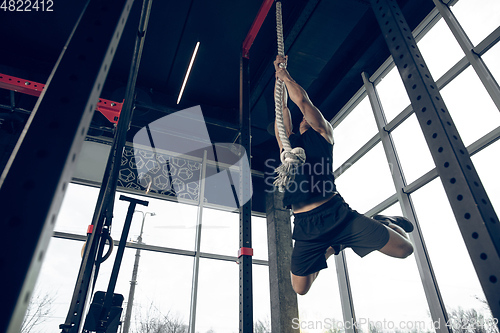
{"x": 296, "y": 156}
{"x": 291, "y": 160}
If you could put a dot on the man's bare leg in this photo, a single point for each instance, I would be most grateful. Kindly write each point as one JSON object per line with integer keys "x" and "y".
{"x": 398, "y": 245}
{"x": 302, "y": 284}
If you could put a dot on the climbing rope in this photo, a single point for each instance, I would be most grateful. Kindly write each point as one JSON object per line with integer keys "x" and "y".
{"x": 291, "y": 159}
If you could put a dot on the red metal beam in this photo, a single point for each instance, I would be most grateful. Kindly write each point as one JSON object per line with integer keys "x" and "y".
{"x": 254, "y": 30}
{"x": 23, "y": 86}
{"x": 109, "y": 109}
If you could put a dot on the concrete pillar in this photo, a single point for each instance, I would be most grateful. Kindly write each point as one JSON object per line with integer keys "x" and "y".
{"x": 279, "y": 238}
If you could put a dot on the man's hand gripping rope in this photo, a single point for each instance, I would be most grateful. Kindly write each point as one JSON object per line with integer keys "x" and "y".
{"x": 291, "y": 159}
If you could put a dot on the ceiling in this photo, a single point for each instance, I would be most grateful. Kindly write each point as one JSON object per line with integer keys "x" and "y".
{"x": 329, "y": 43}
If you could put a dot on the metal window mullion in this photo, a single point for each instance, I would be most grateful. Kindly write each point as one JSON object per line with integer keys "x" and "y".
{"x": 383, "y": 205}
{"x": 475, "y": 59}
{"x": 196, "y": 261}
{"x": 346, "y": 300}
{"x": 431, "y": 289}
{"x": 488, "y": 42}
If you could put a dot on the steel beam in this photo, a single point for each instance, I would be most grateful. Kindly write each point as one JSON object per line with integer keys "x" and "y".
{"x": 474, "y": 213}
{"x": 254, "y": 30}
{"x": 346, "y": 300}
{"x": 197, "y": 247}
{"x": 33, "y": 183}
{"x": 245, "y": 260}
{"x": 109, "y": 109}
{"x": 431, "y": 289}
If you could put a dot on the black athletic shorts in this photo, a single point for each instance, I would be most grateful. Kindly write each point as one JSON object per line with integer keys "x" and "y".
{"x": 332, "y": 223}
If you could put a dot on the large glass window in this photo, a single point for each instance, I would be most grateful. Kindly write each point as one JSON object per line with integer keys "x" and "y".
{"x": 387, "y": 291}
{"x": 353, "y": 132}
{"x": 367, "y": 182}
{"x": 218, "y": 297}
{"x": 56, "y": 284}
{"x": 477, "y": 17}
{"x": 163, "y": 291}
{"x": 320, "y": 308}
{"x": 413, "y": 152}
{"x": 77, "y": 209}
{"x": 392, "y": 93}
{"x": 486, "y": 164}
{"x": 470, "y": 106}
{"x": 259, "y": 238}
{"x": 172, "y": 225}
{"x": 440, "y": 50}
{"x": 220, "y": 232}
{"x": 452, "y": 265}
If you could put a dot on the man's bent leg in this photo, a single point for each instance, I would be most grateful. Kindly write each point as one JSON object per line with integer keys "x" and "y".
{"x": 302, "y": 284}
{"x": 398, "y": 245}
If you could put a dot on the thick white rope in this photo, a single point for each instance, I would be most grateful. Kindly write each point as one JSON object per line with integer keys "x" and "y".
{"x": 291, "y": 159}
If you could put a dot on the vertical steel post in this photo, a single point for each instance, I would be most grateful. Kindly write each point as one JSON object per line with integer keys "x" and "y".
{"x": 104, "y": 207}
{"x": 34, "y": 181}
{"x": 197, "y": 246}
{"x": 133, "y": 282}
{"x": 431, "y": 289}
{"x": 346, "y": 300}
{"x": 474, "y": 213}
{"x": 245, "y": 260}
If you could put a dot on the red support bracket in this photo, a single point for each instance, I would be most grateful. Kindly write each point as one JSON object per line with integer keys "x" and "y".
{"x": 245, "y": 251}
{"x": 109, "y": 109}
{"x": 254, "y": 30}
{"x": 90, "y": 229}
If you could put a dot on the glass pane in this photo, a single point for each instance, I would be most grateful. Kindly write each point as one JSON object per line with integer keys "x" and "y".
{"x": 392, "y": 93}
{"x": 353, "y": 132}
{"x": 220, "y": 232}
{"x": 491, "y": 59}
{"x": 56, "y": 284}
{"x": 59, "y": 283}
{"x": 367, "y": 182}
{"x": 320, "y": 309}
{"x": 391, "y": 298}
{"x": 259, "y": 238}
{"x": 412, "y": 149}
{"x": 163, "y": 292}
{"x": 470, "y": 106}
{"x": 172, "y": 225}
{"x": 440, "y": 49}
{"x": 218, "y": 297}
{"x": 77, "y": 209}
{"x": 486, "y": 164}
{"x": 452, "y": 266}
{"x": 261, "y": 299}
{"x": 478, "y": 17}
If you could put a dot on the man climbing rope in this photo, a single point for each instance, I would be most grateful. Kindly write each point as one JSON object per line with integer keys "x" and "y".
{"x": 324, "y": 224}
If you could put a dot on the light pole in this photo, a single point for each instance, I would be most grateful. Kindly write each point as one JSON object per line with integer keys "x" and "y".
{"x": 133, "y": 282}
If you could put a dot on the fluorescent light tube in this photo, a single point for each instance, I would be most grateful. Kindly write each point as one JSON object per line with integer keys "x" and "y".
{"x": 188, "y": 71}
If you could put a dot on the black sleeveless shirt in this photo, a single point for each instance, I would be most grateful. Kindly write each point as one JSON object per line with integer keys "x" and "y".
{"x": 315, "y": 177}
